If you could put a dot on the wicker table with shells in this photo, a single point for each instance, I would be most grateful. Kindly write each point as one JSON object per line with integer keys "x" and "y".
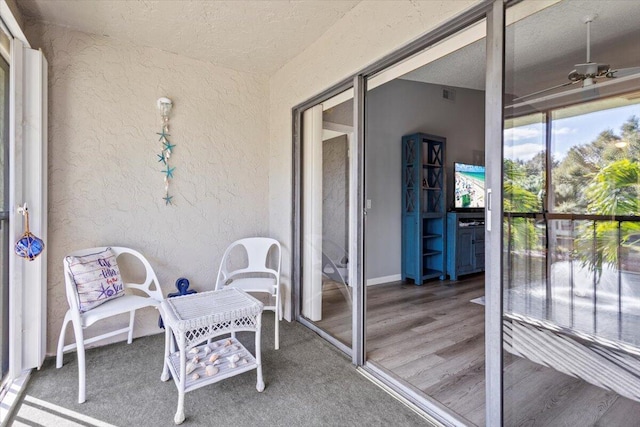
{"x": 194, "y": 320}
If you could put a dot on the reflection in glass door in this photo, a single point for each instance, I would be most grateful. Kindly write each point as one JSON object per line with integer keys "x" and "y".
{"x": 4, "y": 216}
{"x": 571, "y": 224}
{"x": 326, "y": 291}
{"x": 424, "y": 231}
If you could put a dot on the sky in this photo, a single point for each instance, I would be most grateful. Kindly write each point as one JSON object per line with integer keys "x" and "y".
{"x": 524, "y": 142}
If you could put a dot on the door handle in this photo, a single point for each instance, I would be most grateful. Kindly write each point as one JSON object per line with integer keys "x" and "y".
{"x": 488, "y": 204}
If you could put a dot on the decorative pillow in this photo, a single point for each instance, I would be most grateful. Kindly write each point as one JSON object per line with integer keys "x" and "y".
{"x": 97, "y": 278}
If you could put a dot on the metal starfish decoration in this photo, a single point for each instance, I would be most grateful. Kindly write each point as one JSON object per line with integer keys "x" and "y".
{"x": 168, "y": 146}
{"x": 163, "y": 135}
{"x": 168, "y": 171}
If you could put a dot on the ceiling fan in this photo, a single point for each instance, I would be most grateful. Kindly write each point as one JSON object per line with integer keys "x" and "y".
{"x": 588, "y": 73}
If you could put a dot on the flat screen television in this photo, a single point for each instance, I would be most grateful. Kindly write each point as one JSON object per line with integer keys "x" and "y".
{"x": 469, "y": 186}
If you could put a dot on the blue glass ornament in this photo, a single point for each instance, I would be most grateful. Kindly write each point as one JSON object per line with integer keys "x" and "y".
{"x": 29, "y": 246}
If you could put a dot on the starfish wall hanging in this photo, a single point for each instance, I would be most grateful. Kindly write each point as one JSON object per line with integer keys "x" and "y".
{"x": 165, "y": 104}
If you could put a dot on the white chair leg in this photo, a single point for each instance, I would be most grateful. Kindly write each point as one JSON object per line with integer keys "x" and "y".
{"x": 77, "y": 329}
{"x": 277, "y": 331}
{"x": 277, "y": 314}
{"x": 63, "y": 331}
{"x": 132, "y": 317}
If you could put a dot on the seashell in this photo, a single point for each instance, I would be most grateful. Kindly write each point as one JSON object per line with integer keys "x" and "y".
{"x": 217, "y": 362}
{"x": 213, "y": 357}
{"x": 243, "y": 362}
{"x": 207, "y": 350}
{"x": 227, "y": 343}
{"x": 191, "y": 367}
{"x": 194, "y": 350}
{"x": 236, "y": 347}
{"x": 195, "y": 376}
{"x": 195, "y": 360}
{"x": 211, "y": 370}
{"x": 234, "y": 358}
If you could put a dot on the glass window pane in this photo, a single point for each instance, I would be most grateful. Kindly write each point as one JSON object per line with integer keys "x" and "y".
{"x": 571, "y": 247}
{"x": 585, "y": 139}
{"x": 524, "y": 163}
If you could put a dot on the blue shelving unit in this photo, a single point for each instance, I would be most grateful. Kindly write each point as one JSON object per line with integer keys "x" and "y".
{"x": 423, "y": 208}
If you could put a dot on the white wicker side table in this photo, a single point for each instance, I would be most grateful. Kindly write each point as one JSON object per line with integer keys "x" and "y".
{"x": 197, "y": 318}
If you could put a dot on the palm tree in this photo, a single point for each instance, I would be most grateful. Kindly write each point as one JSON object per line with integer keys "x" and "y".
{"x": 518, "y": 199}
{"x": 614, "y": 190}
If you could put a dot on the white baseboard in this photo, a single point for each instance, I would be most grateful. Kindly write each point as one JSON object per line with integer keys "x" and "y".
{"x": 385, "y": 279}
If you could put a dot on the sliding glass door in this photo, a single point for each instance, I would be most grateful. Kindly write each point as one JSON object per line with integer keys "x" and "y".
{"x": 326, "y": 291}
{"x": 561, "y": 101}
{"x": 424, "y": 251}
{"x": 571, "y": 224}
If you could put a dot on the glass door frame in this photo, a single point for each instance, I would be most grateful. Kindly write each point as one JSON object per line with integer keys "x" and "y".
{"x": 4, "y": 230}
{"x": 493, "y": 11}
{"x": 494, "y": 112}
{"x": 297, "y": 246}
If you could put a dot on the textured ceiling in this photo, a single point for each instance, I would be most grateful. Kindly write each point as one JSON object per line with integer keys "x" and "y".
{"x": 254, "y": 36}
{"x": 542, "y": 49}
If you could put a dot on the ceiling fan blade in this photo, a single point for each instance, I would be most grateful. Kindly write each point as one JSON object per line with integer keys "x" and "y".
{"x": 545, "y": 90}
{"x": 624, "y": 72}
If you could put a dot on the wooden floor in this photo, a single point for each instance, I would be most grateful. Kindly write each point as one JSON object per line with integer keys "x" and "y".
{"x": 432, "y": 337}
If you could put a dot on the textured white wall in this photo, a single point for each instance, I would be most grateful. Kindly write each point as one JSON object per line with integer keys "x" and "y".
{"x": 366, "y": 33}
{"x": 106, "y": 187}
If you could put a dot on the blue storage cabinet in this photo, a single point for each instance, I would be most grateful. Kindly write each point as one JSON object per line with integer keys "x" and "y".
{"x": 465, "y": 232}
{"x": 423, "y": 208}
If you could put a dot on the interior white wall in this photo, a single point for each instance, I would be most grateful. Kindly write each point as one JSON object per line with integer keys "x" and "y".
{"x": 398, "y": 108}
{"x": 366, "y": 33}
{"x": 106, "y": 187}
